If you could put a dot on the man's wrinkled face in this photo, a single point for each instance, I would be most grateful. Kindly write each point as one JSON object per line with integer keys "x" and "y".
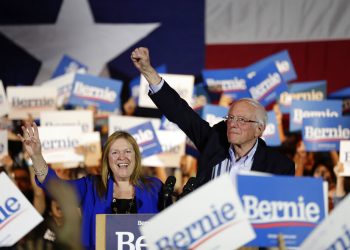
{"x": 243, "y": 127}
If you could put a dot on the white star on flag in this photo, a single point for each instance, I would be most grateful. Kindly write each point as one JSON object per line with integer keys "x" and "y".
{"x": 76, "y": 34}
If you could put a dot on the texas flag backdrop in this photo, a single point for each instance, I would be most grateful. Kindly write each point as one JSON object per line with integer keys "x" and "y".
{"x": 186, "y": 36}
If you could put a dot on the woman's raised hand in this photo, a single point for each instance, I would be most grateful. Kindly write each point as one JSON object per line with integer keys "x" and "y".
{"x": 30, "y": 139}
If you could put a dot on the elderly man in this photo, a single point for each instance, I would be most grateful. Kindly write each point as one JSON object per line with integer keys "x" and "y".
{"x": 233, "y": 144}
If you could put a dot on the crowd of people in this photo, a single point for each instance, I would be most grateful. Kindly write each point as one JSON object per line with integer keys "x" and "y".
{"x": 120, "y": 184}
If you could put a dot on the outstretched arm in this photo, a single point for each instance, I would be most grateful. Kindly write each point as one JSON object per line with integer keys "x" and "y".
{"x": 170, "y": 103}
{"x": 32, "y": 145}
{"x": 140, "y": 58}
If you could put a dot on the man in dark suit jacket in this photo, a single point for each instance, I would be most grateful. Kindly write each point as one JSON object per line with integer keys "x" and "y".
{"x": 231, "y": 144}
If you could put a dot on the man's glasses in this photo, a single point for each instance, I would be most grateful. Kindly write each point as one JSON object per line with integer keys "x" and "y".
{"x": 241, "y": 121}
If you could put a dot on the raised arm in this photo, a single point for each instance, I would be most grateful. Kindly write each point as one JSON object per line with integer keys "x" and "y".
{"x": 32, "y": 145}
{"x": 170, "y": 103}
{"x": 141, "y": 59}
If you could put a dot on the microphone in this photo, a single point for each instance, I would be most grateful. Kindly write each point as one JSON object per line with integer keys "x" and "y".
{"x": 168, "y": 190}
{"x": 190, "y": 185}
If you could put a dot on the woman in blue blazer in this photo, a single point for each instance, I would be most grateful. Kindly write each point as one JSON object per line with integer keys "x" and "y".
{"x": 119, "y": 189}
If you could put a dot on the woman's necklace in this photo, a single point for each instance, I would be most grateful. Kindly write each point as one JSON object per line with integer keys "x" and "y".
{"x": 120, "y": 203}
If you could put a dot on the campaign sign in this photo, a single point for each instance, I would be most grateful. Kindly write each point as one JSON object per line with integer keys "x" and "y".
{"x": 324, "y": 134}
{"x": 119, "y": 122}
{"x": 58, "y": 143}
{"x": 3, "y": 143}
{"x": 313, "y": 109}
{"x": 173, "y": 147}
{"x": 200, "y": 96}
{"x": 281, "y": 60}
{"x": 225, "y": 80}
{"x": 217, "y": 222}
{"x": 344, "y": 157}
{"x": 68, "y": 65}
{"x": 4, "y": 106}
{"x": 165, "y": 124}
{"x": 63, "y": 85}
{"x": 344, "y": 95}
{"x": 340, "y": 94}
{"x": 266, "y": 85}
{"x": 146, "y": 138}
{"x": 346, "y": 106}
{"x": 182, "y": 84}
{"x": 28, "y": 101}
{"x": 191, "y": 149}
{"x": 213, "y": 113}
{"x": 302, "y": 91}
{"x": 283, "y": 205}
{"x": 102, "y": 93}
{"x": 334, "y": 232}
{"x": 17, "y": 215}
{"x": 271, "y": 135}
{"x": 90, "y": 143}
{"x": 83, "y": 118}
{"x": 134, "y": 85}
{"x": 120, "y": 231}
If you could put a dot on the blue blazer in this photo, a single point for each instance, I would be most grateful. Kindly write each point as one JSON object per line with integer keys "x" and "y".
{"x": 147, "y": 201}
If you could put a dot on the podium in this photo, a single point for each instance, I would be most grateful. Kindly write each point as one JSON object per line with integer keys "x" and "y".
{"x": 113, "y": 231}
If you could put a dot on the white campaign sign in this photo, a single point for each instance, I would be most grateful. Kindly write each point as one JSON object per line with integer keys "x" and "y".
{"x": 17, "y": 215}
{"x": 217, "y": 222}
{"x": 83, "y": 118}
{"x": 173, "y": 146}
{"x": 3, "y": 143}
{"x": 4, "y": 106}
{"x": 333, "y": 232}
{"x": 28, "y": 101}
{"x": 118, "y": 122}
{"x": 344, "y": 157}
{"x": 92, "y": 143}
{"x": 63, "y": 85}
{"x": 183, "y": 84}
{"x": 59, "y": 143}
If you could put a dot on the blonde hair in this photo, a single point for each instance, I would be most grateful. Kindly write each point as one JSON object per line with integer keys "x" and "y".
{"x": 106, "y": 172}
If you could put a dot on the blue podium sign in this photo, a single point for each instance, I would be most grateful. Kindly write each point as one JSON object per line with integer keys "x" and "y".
{"x": 120, "y": 231}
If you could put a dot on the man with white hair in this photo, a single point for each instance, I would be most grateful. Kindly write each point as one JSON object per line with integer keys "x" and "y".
{"x": 233, "y": 144}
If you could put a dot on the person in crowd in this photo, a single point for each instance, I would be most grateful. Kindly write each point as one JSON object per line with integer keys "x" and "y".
{"x": 233, "y": 144}
{"x": 24, "y": 180}
{"x": 323, "y": 169}
{"x": 54, "y": 221}
{"x": 188, "y": 167}
{"x": 342, "y": 187}
{"x": 119, "y": 189}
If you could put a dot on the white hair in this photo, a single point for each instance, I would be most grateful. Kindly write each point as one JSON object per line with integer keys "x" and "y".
{"x": 261, "y": 114}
